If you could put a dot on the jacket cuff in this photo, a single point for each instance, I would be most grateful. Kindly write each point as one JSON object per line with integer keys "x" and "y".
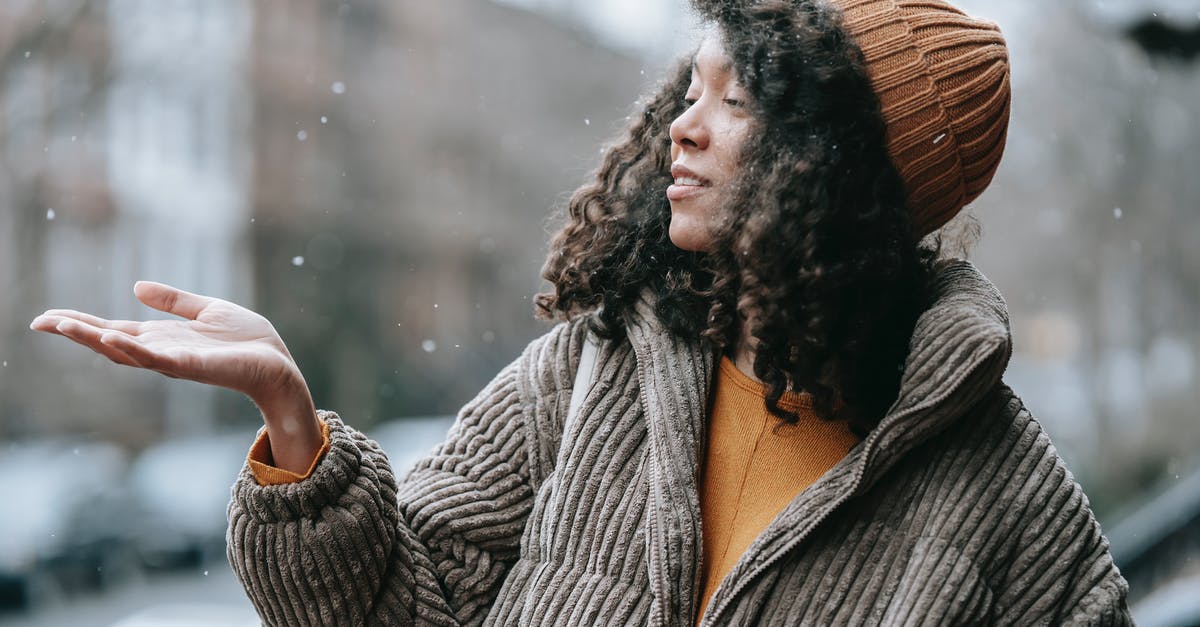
{"x": 262, "y": 463}
{"x": 353, "y": 462}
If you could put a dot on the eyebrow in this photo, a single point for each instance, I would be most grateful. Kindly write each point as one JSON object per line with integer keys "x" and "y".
{"x": 725, "y": 68}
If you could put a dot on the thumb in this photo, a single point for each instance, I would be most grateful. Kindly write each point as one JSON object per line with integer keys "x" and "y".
{"x": 170, "y": 299}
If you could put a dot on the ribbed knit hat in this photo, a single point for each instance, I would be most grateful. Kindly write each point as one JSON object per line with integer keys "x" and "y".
{"x": 943, "y": 80}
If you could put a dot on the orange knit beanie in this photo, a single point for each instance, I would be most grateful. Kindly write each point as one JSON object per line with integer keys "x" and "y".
{"x": 942, "y": 78}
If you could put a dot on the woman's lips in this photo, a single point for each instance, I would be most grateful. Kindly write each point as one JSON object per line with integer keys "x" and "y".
{"x": 682, "y": 190}
{"x": 687, "y": 183}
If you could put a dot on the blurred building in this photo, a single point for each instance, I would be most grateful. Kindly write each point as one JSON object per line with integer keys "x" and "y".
{"x": 374, "y": 177}
{"x": 143, "y": 172}
{"x": 409, "y": 155}
{"x": 1090, "y": 232}
{"x": 179, "y": 168}
{"x": 54, "y": 72}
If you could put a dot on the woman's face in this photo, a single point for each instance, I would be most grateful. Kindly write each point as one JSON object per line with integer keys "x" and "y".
{"x": 706, "y": 140}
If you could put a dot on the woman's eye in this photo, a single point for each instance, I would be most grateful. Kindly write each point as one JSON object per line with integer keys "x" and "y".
{"x": 687, "y": 102}
{"x": 734, "y": 102}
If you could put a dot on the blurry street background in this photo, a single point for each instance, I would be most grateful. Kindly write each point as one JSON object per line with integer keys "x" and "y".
{"x": 378, "y": 179}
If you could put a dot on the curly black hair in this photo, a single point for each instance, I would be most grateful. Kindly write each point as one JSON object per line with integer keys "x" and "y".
{"x": 818, "y": 252}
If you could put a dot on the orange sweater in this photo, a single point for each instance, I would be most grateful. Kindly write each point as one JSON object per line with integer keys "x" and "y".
{"x": 262, "y": 463}
{"x": 754, "y": 466}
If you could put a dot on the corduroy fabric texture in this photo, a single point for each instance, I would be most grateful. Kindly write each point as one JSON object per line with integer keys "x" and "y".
{"x": 955, "y": 509}
{"x": 942, "y": 78}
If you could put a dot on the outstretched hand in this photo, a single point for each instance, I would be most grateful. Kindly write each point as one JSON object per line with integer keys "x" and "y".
{"x": 216, "y": 342}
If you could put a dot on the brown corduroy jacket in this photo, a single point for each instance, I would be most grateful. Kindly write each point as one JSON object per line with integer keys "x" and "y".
{"x": 955, "y": 509}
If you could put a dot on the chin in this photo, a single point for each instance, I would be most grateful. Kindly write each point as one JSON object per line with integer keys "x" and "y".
{"x": 687, "y": 235}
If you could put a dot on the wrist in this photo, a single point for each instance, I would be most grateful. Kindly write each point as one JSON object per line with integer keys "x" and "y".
{"x": 287, "y": 397}
{"x": 292, "y": 425}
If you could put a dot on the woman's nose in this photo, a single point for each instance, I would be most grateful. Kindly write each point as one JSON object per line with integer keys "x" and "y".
{"x": 688, "y": 130}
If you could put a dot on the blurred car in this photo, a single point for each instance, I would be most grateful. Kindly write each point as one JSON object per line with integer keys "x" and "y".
{"x": 406, "y": 440}
{"x": 64, "y": 522}
{"x": 182, "y": 487}
{"x": 190, "y": 615}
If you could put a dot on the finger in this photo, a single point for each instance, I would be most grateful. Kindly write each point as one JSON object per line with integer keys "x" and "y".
{"x": 93, "y": 338}
{"x": 137, "y": 351}
{"x": 125, "y": 326}
{"x": 170, "y": 299}
{"x": 121, "y": 343}
{"x": 46, "y": 323}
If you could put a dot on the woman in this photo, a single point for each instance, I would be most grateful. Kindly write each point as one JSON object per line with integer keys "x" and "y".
{"x": 795, "y": 414}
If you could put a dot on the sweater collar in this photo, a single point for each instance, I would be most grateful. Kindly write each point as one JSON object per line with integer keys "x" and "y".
{"x": 959, "y": 349}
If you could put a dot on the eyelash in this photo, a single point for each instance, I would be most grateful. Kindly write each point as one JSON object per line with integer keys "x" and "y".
{"x": 729, "y": 101}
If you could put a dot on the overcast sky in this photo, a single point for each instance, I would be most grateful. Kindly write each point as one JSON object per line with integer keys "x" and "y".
{"x": 655, "y": 28}
{"x": 660, "y": 29}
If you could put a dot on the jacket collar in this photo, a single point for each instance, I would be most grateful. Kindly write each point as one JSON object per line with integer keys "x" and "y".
{"x": 674, "y": 376}
{"x": 959, "y": 349}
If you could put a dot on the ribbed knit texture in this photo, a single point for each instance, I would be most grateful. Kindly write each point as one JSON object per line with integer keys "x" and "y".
{"x": 955, "y": 509}
{"x": 754, "y": 465}
{"x": 942, "y": 78}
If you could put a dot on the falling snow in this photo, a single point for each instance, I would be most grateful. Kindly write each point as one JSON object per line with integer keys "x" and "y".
{"x": 338, "y": 87}
{"x": 50, "y": 214}
{"x": 302, "y": 135}
{"x": 1117, "y": 213}
{"x": 429, "y": 346}
{"x": 324, "y": 120}
{"x": 297, "y": 261}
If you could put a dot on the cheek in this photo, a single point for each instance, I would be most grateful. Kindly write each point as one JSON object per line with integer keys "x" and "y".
{"x": 729, "y": 147}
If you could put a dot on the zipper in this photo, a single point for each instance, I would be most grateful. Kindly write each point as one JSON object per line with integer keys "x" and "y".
{"x": 660, "y": 618}
{"x": 858, "y": 476}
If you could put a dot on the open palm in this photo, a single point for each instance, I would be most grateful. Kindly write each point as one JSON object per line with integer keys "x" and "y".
{"x": 216, "y": 342}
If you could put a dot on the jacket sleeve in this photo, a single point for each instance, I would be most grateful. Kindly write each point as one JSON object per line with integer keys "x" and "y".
{"x": 1060, "y": 571}
{"x": 350, "y": 546}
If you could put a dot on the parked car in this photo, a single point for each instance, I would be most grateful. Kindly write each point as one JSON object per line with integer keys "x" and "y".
{"x": 190, "y": 615}
{"x": 182, "y": 487}
{"x": 64, "y": 522}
